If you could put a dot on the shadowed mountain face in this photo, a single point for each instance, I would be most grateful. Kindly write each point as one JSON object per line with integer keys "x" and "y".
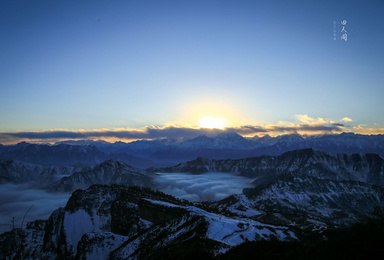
{"x": 367, "y": 168}
{"x": 167, "y": 152}
{"x": 294, "y": 193}
{"x": 56, "y": 155}
{"x": 232, "y": 145}
{"x": 68, "y": 155}
{"x": 68, "y": 179}
{"x": 17, "y": 172}
{"x": 108, "y": 172}
{"x": 313, "y": 188}
{"x": 132, "y": 223}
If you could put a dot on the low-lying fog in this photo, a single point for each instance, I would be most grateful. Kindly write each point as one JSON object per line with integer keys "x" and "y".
{"x": 15, "y": 200}
{"x": 201, "y": 187}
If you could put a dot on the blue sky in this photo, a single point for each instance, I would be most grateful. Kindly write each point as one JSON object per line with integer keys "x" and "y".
{"x": 96, "y": 65}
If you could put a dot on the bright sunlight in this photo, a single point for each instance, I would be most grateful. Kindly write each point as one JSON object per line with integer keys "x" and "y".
{"x": 213, "y": 122}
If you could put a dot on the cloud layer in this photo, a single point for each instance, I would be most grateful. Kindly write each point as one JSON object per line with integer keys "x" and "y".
{"x": 202, "y": 187}
{"x": 15, "y": 201}
{"x": 303, "y": 125}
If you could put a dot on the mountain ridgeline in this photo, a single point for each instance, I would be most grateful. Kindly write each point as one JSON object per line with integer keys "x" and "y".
{"x": 312, "y": 188}
{"x": 68, "y": 178}
{"x": 366, "y": 168}
{"x": 108, "y": 172}
{"x": 291, "y": 196}
{"x": 167, "y": 152}
{"x": 119, "y": 222}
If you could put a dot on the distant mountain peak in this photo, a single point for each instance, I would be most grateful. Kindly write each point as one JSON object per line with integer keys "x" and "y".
{"x": 226, "y": 135}
{"x": 22, "y": 144}
{"x": 202, "y": 160}
{"x": 116, "y": 164}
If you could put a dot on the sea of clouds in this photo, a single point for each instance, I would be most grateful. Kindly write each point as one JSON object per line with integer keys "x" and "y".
{"x": 15, "y": 200}
{"x": 210, "y": 186}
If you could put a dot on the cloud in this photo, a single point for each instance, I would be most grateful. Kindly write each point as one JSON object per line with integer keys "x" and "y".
{"x": 201, "y": 187}
{"x": 121, "y": 134}
{"x": 311, "y": 121}
{"x": 363, "y": 129}
{"x": 154, "y": 132}
{"x": 304, "y": 125}
{"x": 338, "y": 124}
{"x": 17, "y": 199}
{"x": 307, "y": 128}
{"x": 346, "y": 119}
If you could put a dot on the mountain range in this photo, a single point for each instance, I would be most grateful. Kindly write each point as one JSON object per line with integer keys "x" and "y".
{"x": 327, "y": 188}
{"x": 167, "y": 152}
{"x": 292, "y": 194}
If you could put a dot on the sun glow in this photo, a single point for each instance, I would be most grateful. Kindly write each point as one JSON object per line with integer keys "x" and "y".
{"x": 213, "y": 122}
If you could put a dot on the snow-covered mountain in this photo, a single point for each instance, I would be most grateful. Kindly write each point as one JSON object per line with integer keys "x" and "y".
{"x": 367, "y": 168}
{"x": 57, "y": 155}
{"x": 307, "y": 202}
{"x": 77, "y": 154}
{"x": 167, "y": 152}
{"x": 35, "y": 174}
{"x": 68, "y": 179}
{"x": 292, "y": 194}
{"x": 221, "y": 141}
{"x": 108, "y": 172}
{"x": 316, "y": 188}
{"x": 132, "y": 223}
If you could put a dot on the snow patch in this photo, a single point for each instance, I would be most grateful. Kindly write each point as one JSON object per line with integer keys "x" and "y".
{"x": 78, "y": 224}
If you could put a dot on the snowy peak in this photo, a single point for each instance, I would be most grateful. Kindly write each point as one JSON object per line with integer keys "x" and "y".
{"x": 61, "y": 154}
{"x": 135, "y": 223}
{"x": 290, "y": 138}
{"x": 108, "y": 172}
{"x": 265, "y": 139}
{"x": 331, "y": 202}
{"x": 162, "y": 151}
{"x": 112, "y": 163}
{"x": 231, "y": 136}
{"x": 232, "y": 140}
{"x": 37, "y": 175}
{"x": 367, "y": 168}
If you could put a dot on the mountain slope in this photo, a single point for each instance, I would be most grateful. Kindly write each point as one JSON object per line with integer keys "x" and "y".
{"x": 367, "y": 168}
{"x": 35, "y": 174}
{"x": 160, "y": 152}
{"x": 132, "y": 223}
{"x": 314, "y": 189}
{"x": 69, "y": 155}
{"x": 108, "y": 172}
{"x": 313, "y": 201}
{"x": 57, "y": 155}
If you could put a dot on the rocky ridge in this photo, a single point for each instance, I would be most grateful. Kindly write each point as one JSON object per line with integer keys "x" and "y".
{"x": 130, "y": 222}
{"x": 299, "y": 191}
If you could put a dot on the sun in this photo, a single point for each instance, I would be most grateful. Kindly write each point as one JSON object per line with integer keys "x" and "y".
{"x": 213, "y": 122}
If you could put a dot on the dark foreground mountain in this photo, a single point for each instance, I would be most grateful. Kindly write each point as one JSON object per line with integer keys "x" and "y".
{"x": 295, "y": 194}
{"x": 135, "y": 223}
{"x": 118, "y": 222}
{"x": 360, "y": 241}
